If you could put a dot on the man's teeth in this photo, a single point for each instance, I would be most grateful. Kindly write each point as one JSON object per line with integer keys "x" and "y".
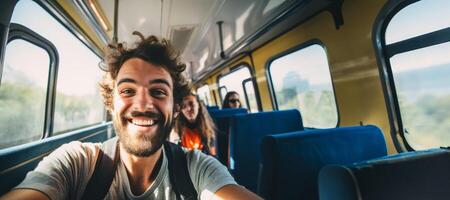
{"x": 141, "y": 122}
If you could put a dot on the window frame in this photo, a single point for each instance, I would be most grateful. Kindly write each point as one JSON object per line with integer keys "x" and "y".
{"x": 53, "y": 9}
{"x": 214, "y": 97}
{"x": 10, "y": 31}
{"x": 384, "y": 52}
{"x": 206, "y": 97}
{"x": 235, "y": 68}
{"x": 60, "y": 15}
{"x": 292, "y": 50}
{"x": 220, "y": 92}
{"x": 247, "y": 101}
{"x": 18, "y": 31}
{"x": 7, "y": 8}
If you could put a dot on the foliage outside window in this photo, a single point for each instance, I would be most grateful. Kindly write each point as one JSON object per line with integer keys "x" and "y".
{"x": 78, "y": 102}
{"x": 23, "y": 91}
{"x": 302, "y": 80}
{"x": 421, "y": 76}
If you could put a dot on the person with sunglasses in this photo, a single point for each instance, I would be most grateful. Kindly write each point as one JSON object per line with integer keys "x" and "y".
{"x": 232, "y": 100}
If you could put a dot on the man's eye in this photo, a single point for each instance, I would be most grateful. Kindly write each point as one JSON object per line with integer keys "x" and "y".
{"x": 158, "y": 93}
{"x": 127, "y": 92}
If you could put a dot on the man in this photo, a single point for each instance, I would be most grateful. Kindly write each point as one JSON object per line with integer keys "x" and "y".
{"x": 138, "y": 90}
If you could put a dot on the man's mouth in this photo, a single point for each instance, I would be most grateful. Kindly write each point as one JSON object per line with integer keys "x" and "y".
{"x": 143, "y": 122}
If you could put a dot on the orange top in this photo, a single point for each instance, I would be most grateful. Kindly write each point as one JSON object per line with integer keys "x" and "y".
{"x": 191, "y": 139}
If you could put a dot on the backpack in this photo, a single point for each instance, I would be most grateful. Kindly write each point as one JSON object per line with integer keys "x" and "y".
{"x": 108, "y": 159}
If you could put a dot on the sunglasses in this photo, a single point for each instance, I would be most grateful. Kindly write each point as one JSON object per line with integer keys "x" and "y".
{"x": 234, "y": 101}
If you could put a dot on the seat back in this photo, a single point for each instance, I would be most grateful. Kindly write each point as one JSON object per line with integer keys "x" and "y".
{"x": 412, "y": 175}
{"x": 222, "y": 120}
{"x": 209, "y": 108}
{"x": 291, "y": 162}
{"x": 226, "y": 112}
{"x": 246, "y": 133}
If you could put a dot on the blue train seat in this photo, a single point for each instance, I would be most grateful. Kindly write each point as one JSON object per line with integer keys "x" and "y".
{"x": 209, "y": 108}
{"x": 226, "y": 112}
{"x": 222, "y": 120}
{"x": 291, "y": 162}
{"x": 412, "y": 175}
{"x": 246, "y": 133}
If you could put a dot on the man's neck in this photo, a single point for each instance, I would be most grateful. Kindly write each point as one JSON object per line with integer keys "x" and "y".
{"x": 141, "y": 171}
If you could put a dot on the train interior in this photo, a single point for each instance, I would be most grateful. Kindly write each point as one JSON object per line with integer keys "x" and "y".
{"x": 342, "y": 99}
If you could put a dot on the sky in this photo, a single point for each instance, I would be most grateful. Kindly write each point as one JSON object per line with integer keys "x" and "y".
{"x": 311, "y": 63}
{"x": 417, "y": 19}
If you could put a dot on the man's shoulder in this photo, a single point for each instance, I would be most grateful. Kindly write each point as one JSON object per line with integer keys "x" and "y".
{"x": 191, "y": 153}
{"x": 85, "y": 146}
{"x": 196, "y": 159}
{"x": 193, "y": 157}
{"x": 66, "y": 169}
{"x": 78, "y": 149}
{"x": 207, "y": 174}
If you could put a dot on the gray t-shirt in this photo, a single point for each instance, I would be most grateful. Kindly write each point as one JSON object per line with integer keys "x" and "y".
{"x": 65, "y": 173}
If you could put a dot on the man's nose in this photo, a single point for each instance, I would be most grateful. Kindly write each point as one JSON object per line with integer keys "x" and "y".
{"x": 143, "y": 100}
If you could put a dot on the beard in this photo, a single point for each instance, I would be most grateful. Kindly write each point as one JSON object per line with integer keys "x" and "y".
{"x": 145, "y": 145}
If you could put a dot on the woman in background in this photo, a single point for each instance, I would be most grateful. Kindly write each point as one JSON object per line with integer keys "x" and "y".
{"x": 195, "y": 127}
{"x": 232, "y": 100}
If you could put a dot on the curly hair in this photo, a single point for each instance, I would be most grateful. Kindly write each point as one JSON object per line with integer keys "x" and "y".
{"x": 150, "y": 49}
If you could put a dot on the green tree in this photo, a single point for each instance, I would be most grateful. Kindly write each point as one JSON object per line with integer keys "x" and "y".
{"x": 22, "y": 113}
{"x": 426, "y": 120}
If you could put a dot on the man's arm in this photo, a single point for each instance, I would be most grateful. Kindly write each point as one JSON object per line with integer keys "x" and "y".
{"x": 19, "y": 194}
{"x": 235, "y": 192}
{"x": 62, "y": 173}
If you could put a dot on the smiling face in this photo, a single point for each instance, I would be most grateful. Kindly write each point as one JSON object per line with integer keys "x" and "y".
{"x": 142, "y": 106}
{"x": 190, "y": 108}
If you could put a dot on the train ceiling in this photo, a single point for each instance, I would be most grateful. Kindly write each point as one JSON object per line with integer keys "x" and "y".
{"x": 192, "y": 25}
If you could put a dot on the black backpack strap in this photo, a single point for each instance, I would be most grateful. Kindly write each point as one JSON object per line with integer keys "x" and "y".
{"x": 104, "y": 172}
{"x": 179, "y": 173}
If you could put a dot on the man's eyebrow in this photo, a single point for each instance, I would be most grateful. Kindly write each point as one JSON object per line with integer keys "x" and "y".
{"x": 162, "y": 81}
{"x": 125, "y": 80}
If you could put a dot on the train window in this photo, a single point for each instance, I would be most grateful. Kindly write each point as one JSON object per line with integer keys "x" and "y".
{"x": 78, "y": 102}
{"x": 233, "y": 82}
{"x": 402, "y": 26}
{"x": 204, "y": 95}
{"x": 223, "y": 91}
{"x": 23, "y": 91}
{"x": 302, "y": 80}
{"x": 418, "y": 36}
{"x": 250, "y": 95}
